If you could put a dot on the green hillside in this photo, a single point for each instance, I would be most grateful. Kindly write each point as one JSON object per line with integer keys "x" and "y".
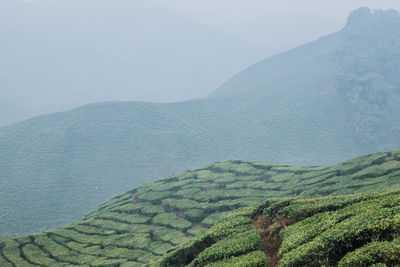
{"x": 353, "y": 230}
{"x": 321, "y": 103}
{"x": 154, "y": 219}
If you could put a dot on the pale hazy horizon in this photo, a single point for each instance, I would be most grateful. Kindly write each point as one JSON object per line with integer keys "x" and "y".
{"x": 59, "y": 54}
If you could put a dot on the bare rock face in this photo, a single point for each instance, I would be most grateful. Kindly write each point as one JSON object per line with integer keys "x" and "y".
{"x": 365, "y": 20}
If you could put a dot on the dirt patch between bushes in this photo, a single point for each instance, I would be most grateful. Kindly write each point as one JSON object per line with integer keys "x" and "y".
{"x": 270, "y": 239}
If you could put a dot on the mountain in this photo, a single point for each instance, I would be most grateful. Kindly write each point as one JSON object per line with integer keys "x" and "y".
{"x": 172, "y": 215}
{"x": 321, "y": 103}
{"x": 58, "y": 55}
{"x": 10, "y": 112}
{"x": 352, "y": 71}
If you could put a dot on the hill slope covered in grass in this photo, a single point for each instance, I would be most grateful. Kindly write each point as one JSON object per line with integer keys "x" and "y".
{"x": 352, "y": 230}
{"x": 154, "y": 219}
{"x": 326, "y": 101}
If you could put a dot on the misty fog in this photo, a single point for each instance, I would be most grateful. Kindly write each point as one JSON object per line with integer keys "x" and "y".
{"x": 59, "y": 54}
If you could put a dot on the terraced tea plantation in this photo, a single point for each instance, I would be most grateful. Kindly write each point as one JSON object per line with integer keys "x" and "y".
{"x": 148, "y": 222}
{"x": 353, "y": 230}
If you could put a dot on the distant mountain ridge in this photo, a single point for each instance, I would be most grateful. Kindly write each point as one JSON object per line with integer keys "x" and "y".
{"x": 358, "y": 65}
{"x": 110, "y": 51}
{"x": 326, "y": 101}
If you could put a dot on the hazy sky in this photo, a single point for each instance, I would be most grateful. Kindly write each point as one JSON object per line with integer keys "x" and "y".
{"x": 278, "y": 25}
{"x": 59, "y": 54}
{"x": 337, "y": 9}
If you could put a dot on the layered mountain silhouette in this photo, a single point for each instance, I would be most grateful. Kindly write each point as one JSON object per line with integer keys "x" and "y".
{"x": 323, "y": 102}
{"x": 58, "y": 55}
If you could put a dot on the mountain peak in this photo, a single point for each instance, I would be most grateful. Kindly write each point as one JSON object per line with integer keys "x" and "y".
{"x": 364, "y": 19}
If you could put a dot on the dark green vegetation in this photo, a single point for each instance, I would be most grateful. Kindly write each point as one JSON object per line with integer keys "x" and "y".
{"x": 353, "y": 230}
{"x": 152, "y": 220}
{"x": 323, "y": 102}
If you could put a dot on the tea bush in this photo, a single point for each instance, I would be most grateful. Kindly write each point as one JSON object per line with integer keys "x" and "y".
{"x": 169, "y": 219}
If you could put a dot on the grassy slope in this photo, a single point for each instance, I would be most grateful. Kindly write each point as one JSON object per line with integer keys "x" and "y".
{"x": 153, "y": 219}
{"x": 352, "y": 230}
{"x": 85, "y": 156}
{"x": 324, "y": 102}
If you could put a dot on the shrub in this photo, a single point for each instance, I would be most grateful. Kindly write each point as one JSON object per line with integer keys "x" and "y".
{"x": 234, "y": 245}
{"x": 252, "y": 259}
{"x": 171, "y": 220}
